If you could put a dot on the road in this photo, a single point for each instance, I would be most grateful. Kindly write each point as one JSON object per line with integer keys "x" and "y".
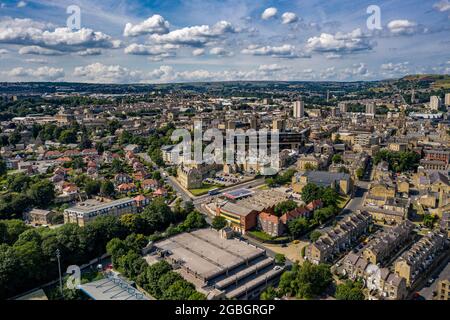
{"x": 442, "y": 272}
{"x": 354, "y": 204}
{"x": 197, "y": 200}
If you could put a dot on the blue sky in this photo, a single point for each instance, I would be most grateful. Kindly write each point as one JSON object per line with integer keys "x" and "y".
{"x": 154, "y": 41}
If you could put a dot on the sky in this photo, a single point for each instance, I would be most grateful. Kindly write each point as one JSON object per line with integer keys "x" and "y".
{"x": 162, "y": 41}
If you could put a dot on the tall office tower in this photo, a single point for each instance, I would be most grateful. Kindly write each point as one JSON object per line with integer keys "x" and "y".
{"x": 370, "y": 108}
{"x": 342, "y": 107}
{"x": 435, "y": 102}
{"x": 328, "y": 95}
{"x": 413, "y": 96}
{"x": 447, "y": 99}
{"x": 278, "y": 125}
{"x": 299, "y": 109}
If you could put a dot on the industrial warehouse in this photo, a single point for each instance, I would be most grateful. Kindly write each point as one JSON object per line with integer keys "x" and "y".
{"x": 217, "y": 264}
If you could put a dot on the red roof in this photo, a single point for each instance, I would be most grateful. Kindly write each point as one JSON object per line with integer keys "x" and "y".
{"x": 297, "y": 212}
{"x": 269, "y": 217}
{"x": 140, "y": 198}
{"x": 313, "y": 205}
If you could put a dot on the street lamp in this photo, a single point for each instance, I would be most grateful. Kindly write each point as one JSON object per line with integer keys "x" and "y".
{"x": 58, "y": 255}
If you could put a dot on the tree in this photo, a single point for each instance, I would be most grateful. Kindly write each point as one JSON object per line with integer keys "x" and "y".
{"x": 107, "y": 188}
{"x": 310, "y": 192}
{"x": 329, "y": 197}
{"x": 150, "y": 277}
{"x": 158, "y": 215}
{"x": 307, "y": 281}
{"x": 11, "y": 279}
{"x": 271, "y": 182}
{"x": 156, "y": 175}
{"x": 116, "y": 166}
{"x": 194, "y": 220}
{"x": 269, "y": 294}
{"x": 298, "y": 226}
{"x": 284, "y": 207}
{"x": 113, "y": 125}
{"x": 15, "y": 137}
{"x": 85, "y": 142}
{"x": 92, "y": 187}
{"x": 398, "y": 161}
{"x": 219, "y": 222}
{"x": 3, "y": 168}
{"x": 350, "y": 290}
{"x": 179, "y": 290}
{"x": 314, "y": 235}
{"x": 429, "y": 220}
{"x": 42, "y": 193}
{"x": 167, "y": 280}
{"x": 280, "y": 258}
{"x": 359, "y": 173}
{"x": 337, "y": 158}
{"x": 197, "y": 296}
{"x": 68, "y": 136}
{"x": 11, "y": 230}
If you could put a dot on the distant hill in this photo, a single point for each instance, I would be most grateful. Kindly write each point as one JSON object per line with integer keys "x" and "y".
{"x": 433, "y": 81}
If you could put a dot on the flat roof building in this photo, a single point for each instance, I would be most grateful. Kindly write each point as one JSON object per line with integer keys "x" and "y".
{"x": 85, "y": 212}
{"x": 217, "y": 266}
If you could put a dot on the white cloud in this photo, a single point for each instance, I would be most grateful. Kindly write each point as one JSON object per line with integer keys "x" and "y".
{"x": 402, "y": 27}
{"x": 21, "y": 4}
{"x": 221, "y": 52}
{"x": 90, "y": 52}
{"x": 29, "y": 32}
{"x": 442, "y": 6}
{"x": 359, "y": 69}
{"x": 34, "y": 60}
{"x": 3, "y": 51}
{"x": 41, "y": 73}
{"x": 391, "y": 69}
{"x": 196, "y": 36}
{"x": 198, "y": 52}
{"x": 155, "y": 24}
{"x": 36, "y": 50}
{"x": 289, "y": 17}
{"x": 340, "y": 42}
{"x": 271, "y": 67}
{"x": 284, "y": 51}
{"x": 332, "y": 55}
{"x": 155, "y": 52}
{"x": 269, "y": 13}
{"x": 98, "y": 72}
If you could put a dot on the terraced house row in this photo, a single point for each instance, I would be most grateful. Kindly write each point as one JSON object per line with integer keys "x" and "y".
{"x": 416, "y": 261}
{"x": 339, "y": 239}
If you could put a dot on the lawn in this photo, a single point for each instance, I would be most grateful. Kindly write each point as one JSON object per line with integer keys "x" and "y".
{"x": 261, "y": 235}
{"x": 203, "y": 190}
{"x": 342, "y": 201}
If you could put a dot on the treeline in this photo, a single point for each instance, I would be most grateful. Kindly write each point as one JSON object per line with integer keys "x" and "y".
{"x": 398, "y": 161}
{"x": 25, "y": 192}
{"x": 27, "y": 255}
{"x": 281, "y": 178}
{"x": 311, "y": 192}
{"x": 307, "y": 281}
{"x": 158, "y": 279}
